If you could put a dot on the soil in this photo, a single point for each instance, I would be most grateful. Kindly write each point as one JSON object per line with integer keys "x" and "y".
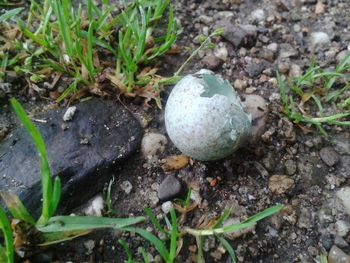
{"x": 284, "y": 166}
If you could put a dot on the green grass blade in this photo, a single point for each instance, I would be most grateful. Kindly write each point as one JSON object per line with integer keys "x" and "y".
{"x": 52, "y": 64}
{"x": 108, "y": 196}
{"x": 62, "y": 13}
{"x": 284, "y": 97}
{"x": 251, "y": 221}
{"x": 47, "y": 20}
{"x": 343, "y": 64}
{"x": 228, "y": 248}
{"x": 334, "y": 95}
{"x": 144, "y": 255}
{"x": 323, "y": 259}
{"x": 33, "y": 37}
{"x": 56, "y": 196}
{"x": 97, "y": 11}
{"x": 263, "y": 214}
{"x": 71, "y": 88}
{"x": 154, "y": 220}
{"x": 171, "y": 24}
{"x": 78, "y": 223}
{"x": 6, "y": 230}
{"x": 188, "y": 198}
{"x": 170, "y": 37}
{"x": 4, "y": 61}
{"x": 13, "y": 60}
{"x": 10, "y": 14}
{"x": 103, "y": 18}
{"x": 3, "y": 254}
{"x": 16, "y": 207}
{"x": 127, "y": 250}
{"x": 99, "y": 42}
{"x": 142, "y": 37}
{"x": 173, "y": 236}
{"x": 156, "y": 242}
{"x": 122, "y": 51}
{"x": 223, "y": 218}
{"x": 89, "y": 13}
{"x": 167, "y": 222}
{"x": 90, "y": 59}
{"x": 46, "y": 180}
{"x": 318, "y": 104}
{"x": 200, "y": 257}
{"x": 51, "y": 238}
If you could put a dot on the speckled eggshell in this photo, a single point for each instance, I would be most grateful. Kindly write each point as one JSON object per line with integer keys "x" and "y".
{"x": 205, "y": 128}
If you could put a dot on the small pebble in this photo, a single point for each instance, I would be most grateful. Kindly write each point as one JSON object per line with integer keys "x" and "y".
{"x": 320, "y": 38}
{"x": 287, "y": 51}
{"x": 89, "y": 245}
{"x": 69, "y": 114}
{"x": 221, "y": 52}
{"x": 166, "y": 206}
{"x": 54, "y": 94}
{"x": 342, "y": 228}
{"x": 273, "y": 47}
{"x": 319, "y": 8}
{"x": 290, "y": 167}
{"x": 153, "y": 144}
{"x": 212, "y": 62}
{"x": 256, "y": 106}
{"x": 126, "y": 186}
{"x": 336, "y": 255}
{"x": 295, "y": 71}
{"x": 329, "y": 156}
{"x": 240, "y": 84}
{"x": 258, "y": 15}
{"x": 280, "y": 184}
{"x": 305, "y": 218}
{"x": 340, "y": 242}
{"x": 169, "y": 188}
{"x": 94, "y": 207}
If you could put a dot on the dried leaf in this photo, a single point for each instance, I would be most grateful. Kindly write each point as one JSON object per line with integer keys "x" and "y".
{"x": 304, "y": 129}
{"x": 175, "y": 162}
{"x": 306, "y": 97}
{"x": 96, "y": 59}
{"x": 319, "y": 8}
{"x": 148, "y": 71}
{"x": 55, "y": 80}
{"x": 150, "y": 92}
{"x": 11, "y": 34}
{"x": 117, "y": 82}
{"x": 174, "y": 50}
{"x": 84, "y": 72}
{"x": 184, "y": 211}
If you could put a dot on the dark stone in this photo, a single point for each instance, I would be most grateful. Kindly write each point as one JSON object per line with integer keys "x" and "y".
{"x": 327, "y": 241}
{"x": 169, "y": 188}
{"x": 113, "y": 134}
{"x": 211, "y": 62}
{"x": 239, "y": 35}
{"x": 329, "y": 156}
{"x": 254, "y": 69}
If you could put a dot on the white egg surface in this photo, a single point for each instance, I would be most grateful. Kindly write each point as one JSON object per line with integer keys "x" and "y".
{"x": 204, "y": 117}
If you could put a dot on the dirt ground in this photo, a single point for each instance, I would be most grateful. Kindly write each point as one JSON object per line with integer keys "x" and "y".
{"x": 305, "y": 172}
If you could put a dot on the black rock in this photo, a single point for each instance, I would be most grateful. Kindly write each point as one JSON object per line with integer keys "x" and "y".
{"x": 254, "y": 69}
{"x": 84, "y": 153}
{"x": 329, "y": 156}
{"x": 239, "y": 35}
{"x": 169, "y": 188}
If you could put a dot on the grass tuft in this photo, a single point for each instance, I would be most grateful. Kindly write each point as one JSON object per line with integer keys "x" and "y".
{"x": 306, "y": 98}
{"x": 7, "y": 252}
{"x": 50, "y": 190}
